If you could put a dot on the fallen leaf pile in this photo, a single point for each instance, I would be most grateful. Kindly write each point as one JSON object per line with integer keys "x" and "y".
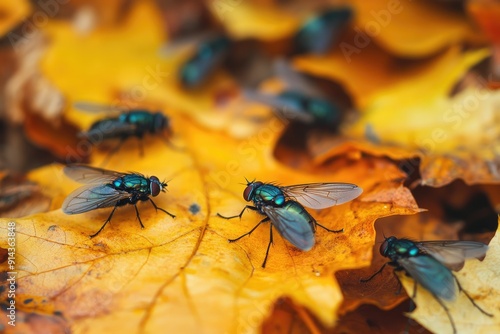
{"x": 421, "y": 137}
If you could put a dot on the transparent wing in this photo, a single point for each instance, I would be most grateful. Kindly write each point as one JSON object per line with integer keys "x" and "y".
{"x": 92, "y": 197}
{"x": 88, "y": 174}
{"x": 322, "y": 195}
{"x": 295, "y": 80}
{"x": 431, "y": 274}
{"x": 292, "y": 225}
{"x": 97, "y": 107}
{"x": 110, "y": 128}
{"x": 281, "y": 105}
{"x": 453, "y": 253}
{"x": 185, "y": 43}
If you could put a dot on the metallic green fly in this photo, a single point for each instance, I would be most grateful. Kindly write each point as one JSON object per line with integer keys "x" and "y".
{"x": 283, "y": 206}
{"x": 430, "y": 263}
{"x": 107, "y": 189}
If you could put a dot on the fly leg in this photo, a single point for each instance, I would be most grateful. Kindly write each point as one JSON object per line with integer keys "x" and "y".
{"x": 107, "y": 221}
{"x": 400, "y": 286}
{"x": 270, "y": 242}
{"x": 172, "y": 145}
{"x": 329, "y": 230}
{"x": 411, "y": 306}
{"x": 472, "y": 300}
{"x": 138, "y": 216}
{"x": 157, "y": 208}
{"x": 141, "y": 146}
{"x": 249, "y": 207}
{"x": 447, "y": 312}
{"x": 364, "y": 280}
{"x": 414, "y": 294}
{"x": 250, "y": 232}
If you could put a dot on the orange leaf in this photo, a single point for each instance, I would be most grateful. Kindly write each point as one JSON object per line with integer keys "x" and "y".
{"x": 185, "y": 267}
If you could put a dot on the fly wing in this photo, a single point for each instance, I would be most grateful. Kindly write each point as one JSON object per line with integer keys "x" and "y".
{"x": 185, "y": 43}
{"x": 92, "y": 197}
{"x": 453, "y": 253}
{"x": 88, "y": 174}
{"x": 280, "y": 105}
{"x": 431, "y": 274}
{"x": 295, "y": 80}
{"x": 322, "y": 195}
{"x": 292, "y": 224}
{"x": 96, "y": 107}
{"x": 110, "y": 128}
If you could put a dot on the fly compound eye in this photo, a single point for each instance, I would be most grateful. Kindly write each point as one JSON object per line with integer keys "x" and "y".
{"x": 249, "y": 190}
{"x": 384, "y": 247}
{"x": 247, "y": 193}
{"x": 154, "y": 185}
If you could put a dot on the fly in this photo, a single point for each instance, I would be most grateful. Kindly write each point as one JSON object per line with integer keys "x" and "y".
{"x": 300, "y": 101}
{"x": 429, "y": 263}
{"x": 128, "y": 123}
{"x": 107, "y": 189}
{"x": 319, "y": 33}
{"x": 283, "y": 206}
{"x": 296, "y": 106}
{"x": 209, "y": 55}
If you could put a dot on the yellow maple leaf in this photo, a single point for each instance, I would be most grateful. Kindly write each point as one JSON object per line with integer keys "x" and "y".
{"x": 411, "y": 29}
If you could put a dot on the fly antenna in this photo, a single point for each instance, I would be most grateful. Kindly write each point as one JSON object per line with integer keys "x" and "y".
{"x": 248, "y": 182}
{"x": 164, "y": 185}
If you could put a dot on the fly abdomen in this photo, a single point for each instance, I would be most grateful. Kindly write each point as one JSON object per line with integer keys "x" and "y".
{"x": 441, "y": 282}
{"x": 110, "y": 128}
{"x": 143, "y": 121}
{"x": 296, "y": 208}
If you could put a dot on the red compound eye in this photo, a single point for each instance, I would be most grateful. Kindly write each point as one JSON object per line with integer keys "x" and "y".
{"x": 249, "y": 190}
{"x": 383, "y": 247}
{"x": 387, "y": 245}
{"x": 154, "y": 185}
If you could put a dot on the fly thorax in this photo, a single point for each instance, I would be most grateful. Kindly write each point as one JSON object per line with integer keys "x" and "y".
{"x": 407, "y": 251}
{"x": 250, "y": 192}
{"x": 270, "y": 195}
{"x": 118, "y": 183}
{"x": 413, "y": 251}
{"x": 132, "y": 183}
{"x": 279, "y": 200}
{"x": 141, "y": 118}
{"x": 268, "y": 198}
{"x": 124, "y": 118}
